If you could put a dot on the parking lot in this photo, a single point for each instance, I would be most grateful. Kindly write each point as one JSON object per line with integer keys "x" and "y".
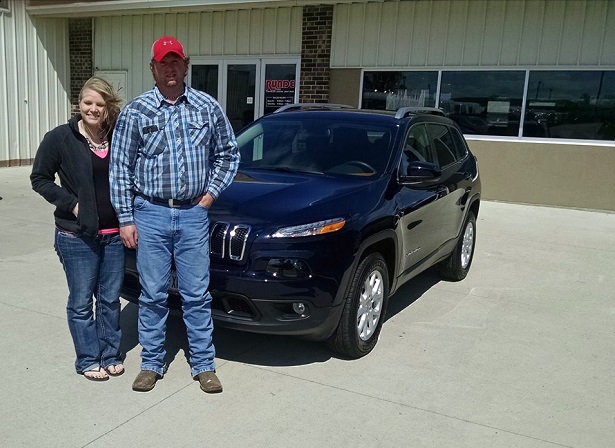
{"x": 519, "y": 354}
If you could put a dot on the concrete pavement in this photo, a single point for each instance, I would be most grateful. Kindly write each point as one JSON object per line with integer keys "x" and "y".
{"x": 519, "y": 354}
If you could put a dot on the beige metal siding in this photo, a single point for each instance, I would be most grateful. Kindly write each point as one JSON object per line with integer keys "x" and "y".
{"x": 34, "y": 86}
{"x": 474, "y": 33}
{"x": 124, "y": 43}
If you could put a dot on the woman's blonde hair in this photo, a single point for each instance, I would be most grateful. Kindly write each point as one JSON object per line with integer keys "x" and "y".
{"x": 113, "y": 102}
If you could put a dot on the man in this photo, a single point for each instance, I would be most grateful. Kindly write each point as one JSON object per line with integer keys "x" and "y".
{"x": 173, "y": 153}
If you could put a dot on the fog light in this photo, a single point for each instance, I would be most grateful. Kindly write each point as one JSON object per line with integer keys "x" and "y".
{"x": 288, "y": 268}
{"x": 299, "y": 308}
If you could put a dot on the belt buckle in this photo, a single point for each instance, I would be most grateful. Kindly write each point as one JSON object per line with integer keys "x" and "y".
{"x": 171, "y": 203}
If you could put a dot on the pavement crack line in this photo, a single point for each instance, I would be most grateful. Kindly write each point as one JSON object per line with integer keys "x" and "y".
{"x": 136, "y": 415}
{"x": 440, "y": 414}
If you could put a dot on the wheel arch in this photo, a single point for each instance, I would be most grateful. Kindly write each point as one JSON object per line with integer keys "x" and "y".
{"x": 384, "y": 242}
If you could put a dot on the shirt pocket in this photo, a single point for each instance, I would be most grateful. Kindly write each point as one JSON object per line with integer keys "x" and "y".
{"x": 154, "y": 137}
{"x": 199, "y": 132}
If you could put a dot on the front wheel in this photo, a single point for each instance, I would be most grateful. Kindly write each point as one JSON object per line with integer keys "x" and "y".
{"x": 458, "y": 263}
{"x": 364, "y": 309}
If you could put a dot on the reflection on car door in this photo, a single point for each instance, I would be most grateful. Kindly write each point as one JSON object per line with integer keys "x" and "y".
{"x": 419, "y": 211}
{"x": 454, "y": 179}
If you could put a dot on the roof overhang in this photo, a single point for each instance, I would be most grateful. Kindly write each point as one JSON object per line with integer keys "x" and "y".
{"x": 125, "y": 7}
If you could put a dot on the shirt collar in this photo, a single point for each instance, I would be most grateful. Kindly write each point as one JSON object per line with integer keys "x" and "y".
{"x": 183, "y": 97}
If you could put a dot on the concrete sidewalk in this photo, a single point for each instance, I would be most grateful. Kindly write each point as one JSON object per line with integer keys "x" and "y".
{"x": 519, "y": 354}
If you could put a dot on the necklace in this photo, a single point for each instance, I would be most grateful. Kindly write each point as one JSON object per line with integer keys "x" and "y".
{"x": 102, "y": 146}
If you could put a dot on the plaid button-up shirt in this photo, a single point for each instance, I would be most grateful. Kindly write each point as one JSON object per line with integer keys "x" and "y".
{"x": 170, "y": 151}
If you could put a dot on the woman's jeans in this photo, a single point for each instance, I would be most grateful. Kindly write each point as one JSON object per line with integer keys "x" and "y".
{"x": 94, "y": 267}
{"x": 167, "y": 234}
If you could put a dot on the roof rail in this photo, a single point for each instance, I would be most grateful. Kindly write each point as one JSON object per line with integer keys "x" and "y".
{"x": 405, "y": 111}
{"x": 306, "y": 106}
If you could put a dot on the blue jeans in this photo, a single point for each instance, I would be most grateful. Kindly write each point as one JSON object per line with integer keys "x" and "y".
{"x": 180, "y": 234}
{"x": 94, "y": 267}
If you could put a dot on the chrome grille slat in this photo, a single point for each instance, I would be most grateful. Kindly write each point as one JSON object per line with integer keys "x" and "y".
{"x": 239, "y": 237}
{"x": 217, "y": 240}
{"x": 236, "y": 239}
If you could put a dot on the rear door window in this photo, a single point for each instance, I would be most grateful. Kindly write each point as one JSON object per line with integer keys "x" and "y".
{"x": 443, "y": 144}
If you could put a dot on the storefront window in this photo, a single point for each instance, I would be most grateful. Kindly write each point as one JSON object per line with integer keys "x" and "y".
{"x": 483, "y": 102}
{"x": 577, "y": 104}
{"x": 392, "y": 90}
{"x": 571, "y": 104}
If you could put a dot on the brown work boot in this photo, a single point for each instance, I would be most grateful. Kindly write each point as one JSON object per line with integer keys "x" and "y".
{"x": 145, "y": 381}
{"x": 209, "y": 382}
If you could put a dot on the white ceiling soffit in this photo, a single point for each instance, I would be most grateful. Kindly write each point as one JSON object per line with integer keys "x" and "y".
{"x": 120, "y": 7}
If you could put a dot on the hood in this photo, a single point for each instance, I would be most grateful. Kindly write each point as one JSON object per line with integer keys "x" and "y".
{"x": 261, "y": 198}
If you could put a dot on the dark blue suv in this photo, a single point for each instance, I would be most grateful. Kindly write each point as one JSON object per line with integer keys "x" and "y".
{"x": 333, "y": 209}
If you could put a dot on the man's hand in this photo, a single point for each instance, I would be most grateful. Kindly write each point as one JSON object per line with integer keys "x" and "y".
{"x": 76, "y": 210}
{"x": 206, "y": 200}
{"x": 129, "y": 236}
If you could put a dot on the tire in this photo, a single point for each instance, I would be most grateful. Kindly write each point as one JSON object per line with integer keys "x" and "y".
{"x": 457, "y": 265}
{"x": 364, "y": 309}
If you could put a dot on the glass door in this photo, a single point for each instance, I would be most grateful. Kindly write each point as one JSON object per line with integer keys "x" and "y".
{"x": 279, "y": 86}
{"x": 205, "y": 78}
{"x": 240, "y": 94}
{"x": 247, "y": 88}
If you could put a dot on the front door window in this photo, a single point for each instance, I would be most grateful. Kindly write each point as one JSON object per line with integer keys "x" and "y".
{"x": 205, "y": 78}
{"x": 240, "y": 91}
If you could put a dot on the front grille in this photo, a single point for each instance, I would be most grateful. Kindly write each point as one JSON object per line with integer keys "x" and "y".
{"x": 235, "y": 240}
{"x": 239, "y": 236}
{"x": 218, "y": 238}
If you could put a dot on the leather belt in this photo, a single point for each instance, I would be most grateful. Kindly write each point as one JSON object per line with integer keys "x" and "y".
{"x": 168, "y": 202}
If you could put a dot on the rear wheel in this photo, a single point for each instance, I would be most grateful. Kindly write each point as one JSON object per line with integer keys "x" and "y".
{"x": 458, "y": 263}
{"x": 364, "y": 309}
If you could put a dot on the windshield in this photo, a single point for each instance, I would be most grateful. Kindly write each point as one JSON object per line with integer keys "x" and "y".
{"x": 319, "y": 145}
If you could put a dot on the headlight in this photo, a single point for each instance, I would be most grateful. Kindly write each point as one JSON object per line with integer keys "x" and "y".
{"x": 314, "y": 228}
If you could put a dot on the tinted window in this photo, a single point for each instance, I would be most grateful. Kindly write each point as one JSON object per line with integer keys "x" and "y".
{"x": 417, "y": 147}
{"x": 460, "y": 144}
{"x": 443, "y": 144}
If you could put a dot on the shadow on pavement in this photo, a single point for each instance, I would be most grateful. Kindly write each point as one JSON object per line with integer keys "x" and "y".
{"x": 262, "y": 349}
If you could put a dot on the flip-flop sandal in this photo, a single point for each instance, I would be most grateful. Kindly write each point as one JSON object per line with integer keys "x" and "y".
{"x": 96, "y": 378}
{"x": 118, "y": 369}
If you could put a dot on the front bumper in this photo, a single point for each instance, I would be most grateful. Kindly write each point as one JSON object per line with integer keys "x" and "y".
{"x": 262, "y": 306}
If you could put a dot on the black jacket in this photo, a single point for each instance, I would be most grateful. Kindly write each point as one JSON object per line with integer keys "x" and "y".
{"x": 66, "y": 152}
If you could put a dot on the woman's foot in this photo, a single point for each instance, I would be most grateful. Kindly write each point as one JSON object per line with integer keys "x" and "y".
{"x": 97, "y": 374}
{"x": 115, "y": 370}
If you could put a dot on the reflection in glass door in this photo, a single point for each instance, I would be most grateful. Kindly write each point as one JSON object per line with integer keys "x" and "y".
{"x": 205, "y": 78}
{"x": 240, "y": 91}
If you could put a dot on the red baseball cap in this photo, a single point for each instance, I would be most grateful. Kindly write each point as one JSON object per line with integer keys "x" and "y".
{"x": 166, "y": 45}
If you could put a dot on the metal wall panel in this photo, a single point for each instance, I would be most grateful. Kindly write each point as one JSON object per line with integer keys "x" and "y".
{"x": 474, "y": 33}
{"x": 124, "y": 43}
{"x": 35, "y": 84}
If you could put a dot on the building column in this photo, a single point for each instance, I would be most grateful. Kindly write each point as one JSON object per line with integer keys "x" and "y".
{"x": 316, "y": 54}
{"x": 81, "y": 56}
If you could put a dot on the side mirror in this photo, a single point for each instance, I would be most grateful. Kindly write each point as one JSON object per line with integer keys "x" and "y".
{"x": 421, "y": 174}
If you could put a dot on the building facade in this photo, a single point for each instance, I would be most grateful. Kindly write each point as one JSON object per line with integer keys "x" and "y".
{"x": 530, "y": 82}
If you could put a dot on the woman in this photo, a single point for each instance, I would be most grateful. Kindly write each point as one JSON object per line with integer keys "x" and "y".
{"x": 87, "y": 237}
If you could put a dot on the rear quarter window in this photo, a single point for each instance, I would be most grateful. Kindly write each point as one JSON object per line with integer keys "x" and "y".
{"x": 443, "y": 144}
